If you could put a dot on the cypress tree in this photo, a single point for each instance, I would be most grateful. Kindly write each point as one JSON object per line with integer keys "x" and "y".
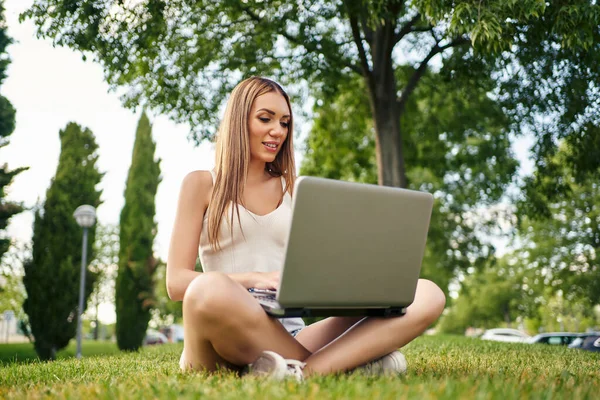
{"x": 135, "y": 284}
{"x": 7, "y": 126}
{"x": 52, "y": 275}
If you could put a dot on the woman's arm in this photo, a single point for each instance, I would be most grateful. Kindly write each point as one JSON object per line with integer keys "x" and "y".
{"x": 185, "y": 240}
{"x": 183, "y": 250}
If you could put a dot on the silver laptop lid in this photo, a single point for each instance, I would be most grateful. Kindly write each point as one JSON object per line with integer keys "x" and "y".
{"x": 354, "y": 245}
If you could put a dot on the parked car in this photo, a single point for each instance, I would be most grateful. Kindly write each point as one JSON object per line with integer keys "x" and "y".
{"x": 505, "y": 335}
{"x": 587, "y": 341}
{"x": 555, "y": 338}
{"x": 591, "y": 343}
{"x": 154, "y": 337}
{"x": 174, "y": 333}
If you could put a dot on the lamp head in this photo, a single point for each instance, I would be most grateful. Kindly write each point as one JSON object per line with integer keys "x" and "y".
{"x": 85, "y": 216}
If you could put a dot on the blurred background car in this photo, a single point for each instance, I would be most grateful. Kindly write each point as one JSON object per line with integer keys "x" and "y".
{"x": 505, "y": 335}
{"x": 154, "y": 337}
{"x": 174, "y": 333}
{"x": 555, "y": 338}
{"x": 587, "y": 341}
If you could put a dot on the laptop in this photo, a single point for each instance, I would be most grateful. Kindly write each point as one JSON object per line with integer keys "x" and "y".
{"x": 353, "y": 249}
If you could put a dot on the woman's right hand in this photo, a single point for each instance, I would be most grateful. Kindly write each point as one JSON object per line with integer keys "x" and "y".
{"x": 265, "y": 280}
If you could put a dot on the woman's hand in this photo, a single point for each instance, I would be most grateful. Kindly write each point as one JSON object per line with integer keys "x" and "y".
{"x": 265, "y": 280}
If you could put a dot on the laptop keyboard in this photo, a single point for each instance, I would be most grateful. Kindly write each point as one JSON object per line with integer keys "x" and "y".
{"x": 268, "y": 299}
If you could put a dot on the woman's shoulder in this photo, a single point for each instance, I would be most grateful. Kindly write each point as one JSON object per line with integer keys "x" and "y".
{"x": 197, "y": 184}
{"x": 198, "y": 179}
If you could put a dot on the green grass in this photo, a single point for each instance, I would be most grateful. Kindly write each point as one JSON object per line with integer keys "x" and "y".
{"x": 24, "y": 352}
{"x": 440, "y": 367}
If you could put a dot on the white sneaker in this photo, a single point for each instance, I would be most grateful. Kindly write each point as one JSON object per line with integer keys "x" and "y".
{"x": 390, "y": 364}
{"x": 271, "y": 365}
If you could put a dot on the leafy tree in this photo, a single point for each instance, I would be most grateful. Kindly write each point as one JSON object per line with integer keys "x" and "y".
{"x": 183, "y": 57}
{"x": 137, "y": 265}
{"x": 52, "y": 275}
{"x": 560, "y": 228}
{"x": 496, "y": 294}
{"x": 558, "y": 314}
{"x": 459, "y": 151}
{"x": 12, "y": 291}
{"x": 105, "y": 267}
{"x": 7, "y": 126}
{"x": 167, "y": 311}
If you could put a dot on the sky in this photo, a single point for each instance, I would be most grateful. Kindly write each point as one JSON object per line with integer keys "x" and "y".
{"x": 52, "y": 86}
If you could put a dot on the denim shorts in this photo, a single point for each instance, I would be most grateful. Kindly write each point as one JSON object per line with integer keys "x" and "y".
{"x": 295, "y": 332}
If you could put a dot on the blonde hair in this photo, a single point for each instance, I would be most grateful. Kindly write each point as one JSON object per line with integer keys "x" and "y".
{"x": 233, "y": 154}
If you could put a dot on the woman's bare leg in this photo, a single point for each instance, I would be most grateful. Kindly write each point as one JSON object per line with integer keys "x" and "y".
{"x": 225, "y": 326}
{"x": 370, "y": 338}
{"x": 316, "y": 336}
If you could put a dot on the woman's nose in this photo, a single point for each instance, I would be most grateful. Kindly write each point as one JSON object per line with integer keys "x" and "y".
{"x": 277, "y": 131}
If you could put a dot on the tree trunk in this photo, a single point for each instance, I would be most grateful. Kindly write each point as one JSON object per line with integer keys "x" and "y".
{"x": 385, "y": 109}
{"x": 507, "y": 317}
{"x": 388, "y": 143}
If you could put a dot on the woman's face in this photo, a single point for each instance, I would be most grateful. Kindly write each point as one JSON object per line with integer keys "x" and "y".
{"x": 268, "y": 125}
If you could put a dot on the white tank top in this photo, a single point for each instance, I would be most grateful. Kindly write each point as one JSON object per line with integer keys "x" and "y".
{"x": 261, "y": 247}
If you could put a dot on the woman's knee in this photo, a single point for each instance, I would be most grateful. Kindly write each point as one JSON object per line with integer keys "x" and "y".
{"x": 207, "y": 295}
{"x": 432, "y": 299}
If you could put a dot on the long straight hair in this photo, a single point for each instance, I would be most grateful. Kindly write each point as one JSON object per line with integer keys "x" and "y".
{"x": 233, "y": 154}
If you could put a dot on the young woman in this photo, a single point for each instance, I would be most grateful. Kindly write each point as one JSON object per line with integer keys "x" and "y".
{"x": 238, "y": 216}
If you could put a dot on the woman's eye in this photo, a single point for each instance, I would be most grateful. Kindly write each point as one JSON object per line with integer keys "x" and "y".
{"x": 285, "y": 124}
{"x": 263, "y": 119}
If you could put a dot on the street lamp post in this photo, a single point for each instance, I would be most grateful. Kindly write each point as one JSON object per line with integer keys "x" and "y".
{"x": 85, "y": 216}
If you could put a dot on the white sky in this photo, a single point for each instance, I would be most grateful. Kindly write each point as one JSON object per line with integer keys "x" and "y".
{"x": 50, "y": 87}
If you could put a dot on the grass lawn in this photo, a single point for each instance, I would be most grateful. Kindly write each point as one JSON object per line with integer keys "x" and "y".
{"x": 24, "y": 352}
{"x": 440, "y": 367}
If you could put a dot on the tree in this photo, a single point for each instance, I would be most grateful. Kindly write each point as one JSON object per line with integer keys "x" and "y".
{"x": 182, "y": 57}
{"x": 134, "y": 296}
{"x": 105, "y": 267}
{"x": 52, "y": 275}
{"x": 12, "y": 291}
{"x": 560, "y": 227}
{"x": 496, "y": 294}
{"x": 166, "y": 311}
{"x": 459, "y": 151}
{"x": 7, "y": 126}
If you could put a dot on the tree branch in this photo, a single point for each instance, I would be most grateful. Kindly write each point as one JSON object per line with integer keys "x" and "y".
{"x": 420, "y": 71}
{"x": 364, "y": 63}
{"x": 408, "y": 28}
{"x": 310, "y": 47}
{"x": 366, "y": 29}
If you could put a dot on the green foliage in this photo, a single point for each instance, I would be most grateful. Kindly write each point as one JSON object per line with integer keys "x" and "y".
{"x": 12, "y": 291}
{"x": 558, "y": 314}
{"x": 182, "y": 58}
{"x": 457, "y": 147}
{"x": 341, "y": 143}
{"x": 134, "y": 296}
{"x": 105, "y": 267}
{"x": 12, "y": 294}
{"x": 495, "y": 295}
{"x": 166, "y": 311}
{"x": 52, "y": 274}
{"x": 561, "y": 229}
{"x": 7, "y": 126}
